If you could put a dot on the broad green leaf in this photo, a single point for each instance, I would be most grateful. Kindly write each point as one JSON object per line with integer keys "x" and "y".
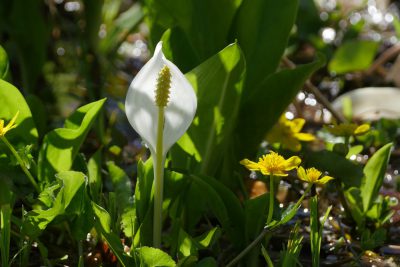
{"x": 153, "y": 257}
{"x": 61, "y": 146}
{"x": 374, "y": 172}
{"x": 30, "y": 33}
{"x": 262, "y": 108}
{"x": 233, "y": 206}
{"x": 218, "y": 84}
{"x": 176, "y": 47}
{"x": 94, "y": 175}
{"x": 348, "y": 172}
{"x": 204, "y": 195}
{"x": 121, "y": 185}
{"x": 12, "y": 101}
{"x": 353, "y": 55}
{"x": 353, "y": 196}
{"x": 70, "y": 184}
{"x": 102, "y": 217}
{"x": 262, "y": 30}
{"x": 255, "y": 216}
{"x": 39, "y": 113}
{"x": 206, "y": 23}
{"x": 143, "y": 190}
{"x": 3, "y": 63}
{"x": 144, "y": 203}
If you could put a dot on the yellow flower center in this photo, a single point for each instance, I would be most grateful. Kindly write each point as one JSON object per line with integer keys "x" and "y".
{"x": 313, "y": 174}
{"x": 163, "y": 87}
{"x": 273, "y": 162}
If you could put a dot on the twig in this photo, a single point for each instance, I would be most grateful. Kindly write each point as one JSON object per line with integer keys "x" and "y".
{"x": 315, "y": 91}
{"x": 383, "y": 58}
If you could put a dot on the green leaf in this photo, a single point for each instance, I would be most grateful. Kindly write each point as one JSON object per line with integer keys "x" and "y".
{"x": 121, "y": 185}
{"x": 218, "y": 84}
{"x": 38, "y": 219}
{"x": 12, "y": 101}
{"x": 207, "y": 262}
{"x": 263, "y": 28}
{"x": 118, "y": 29}
{"x": 255, "y": 216}
{"x": 30, "y": 36}
{"x": 61, "y": 146}
{"x": 102, "y": 218}
{"x": 286, "y": 216}
{"x": 5, "y": 232}
{"x": 353, "y": 196}
{"x": 206, "y": 23}
{"x": 153, "y": 257}
{"x": 203, "y": 194}
{"x": 269, "y": 100}
{"x": 374, "y": 172}
{"x": 94, "y": 175}
{"x": 233, "y": 206}
{"x": 353, "y": 55}
{"x": 3, "y": 63}
{"x": 348, "y": 172}
{"x": 208, "y": 239}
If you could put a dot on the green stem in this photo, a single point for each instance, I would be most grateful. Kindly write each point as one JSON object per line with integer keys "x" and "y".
{"x": 21, "y": 163}
{"x": 158, "y": 180}
{"x": 271, "y": 199}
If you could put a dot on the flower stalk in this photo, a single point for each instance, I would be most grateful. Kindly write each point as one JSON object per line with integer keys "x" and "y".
{"x": 160, "y": 117}
{"x": 21, "y": 163}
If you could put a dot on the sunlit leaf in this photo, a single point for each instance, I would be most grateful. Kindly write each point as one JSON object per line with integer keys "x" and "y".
{"x": 61, "y": 146}
{"x": 152, "y": 257}
{"x": 3, "y": 63}
{"x": 12, "y": 101}
{"x": 374, "y": 172}
{"x": 353, "y": 56}
{"x": 70, "y": 184}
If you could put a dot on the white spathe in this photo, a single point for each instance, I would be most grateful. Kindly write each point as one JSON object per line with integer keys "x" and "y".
{"x": 141, "y": 109}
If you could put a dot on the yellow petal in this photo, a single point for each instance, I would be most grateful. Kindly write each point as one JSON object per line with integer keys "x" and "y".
{"x": 11, "y": 124}
{"x": 297, "y": 124}
{"x": 251, "y": 165}
{"x": 362, "y": 129}
{"x": 279, "y": 173}
{"x": 1, "y": 125}
{"x": 324, "y": 180}
{"x": 306, "y": 137}
{"x": 301, "y": 173}
{"x": 265, "y": 171}
{"x": 292, "y": 163}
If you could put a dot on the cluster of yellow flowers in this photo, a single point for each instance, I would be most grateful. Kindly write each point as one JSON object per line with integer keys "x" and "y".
{"x": 276, "y": 165}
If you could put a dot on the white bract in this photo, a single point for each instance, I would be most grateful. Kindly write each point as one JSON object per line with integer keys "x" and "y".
{"x": 141, "y": 108}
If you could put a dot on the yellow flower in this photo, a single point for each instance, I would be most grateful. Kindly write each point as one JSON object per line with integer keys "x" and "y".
{"x": 312, "y": 176}
{"x": 10, "y": 125}
{"x": 272, "y": 164}
{"x": 288, "y": 134}
{"x": 347, "y": 129}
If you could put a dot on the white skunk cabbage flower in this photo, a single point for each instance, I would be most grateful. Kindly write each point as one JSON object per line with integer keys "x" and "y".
{"x": 160, "y": 106}
{"x": 142, "y": 110}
